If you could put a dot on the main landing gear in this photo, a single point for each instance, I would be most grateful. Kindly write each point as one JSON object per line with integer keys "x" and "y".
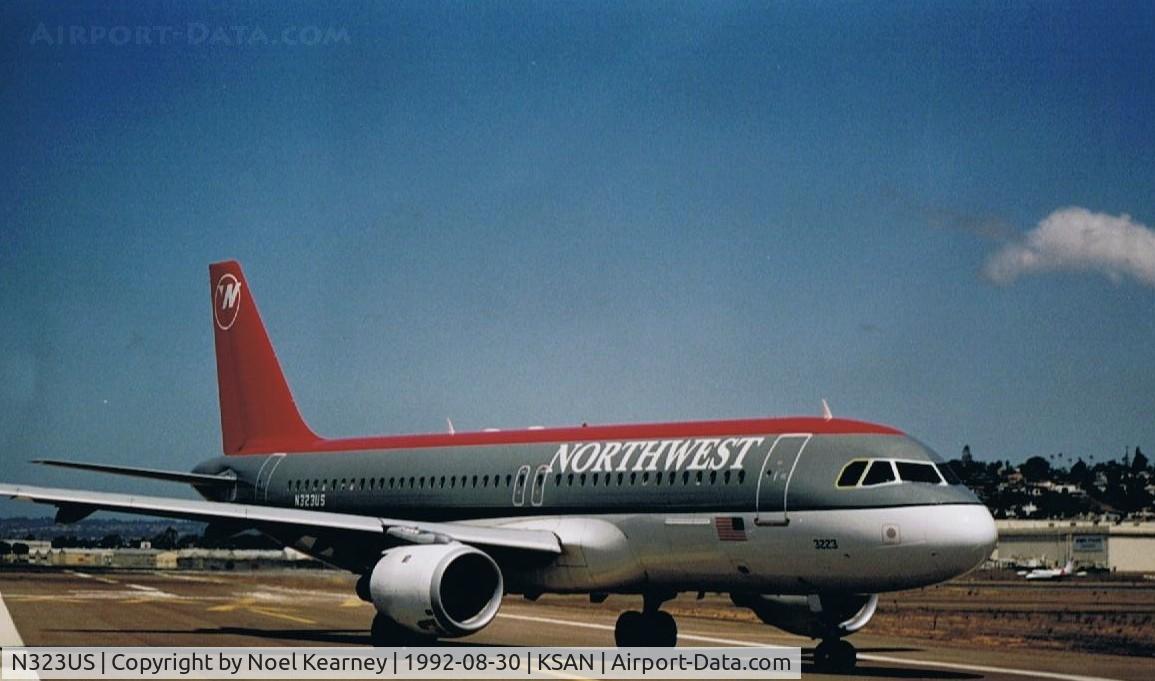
{"x": 649, "y": 628}
{"x": 835, "y": 655}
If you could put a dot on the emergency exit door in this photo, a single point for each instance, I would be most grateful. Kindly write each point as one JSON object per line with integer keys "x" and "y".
{"x": 772, "y": 497}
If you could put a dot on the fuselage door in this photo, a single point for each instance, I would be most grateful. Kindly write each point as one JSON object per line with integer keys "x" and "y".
{"x": 770, "y": 504}
{"x": 265, "y": 476}
{"x": 539, "y": 477}
{"x": 519, "y": 486}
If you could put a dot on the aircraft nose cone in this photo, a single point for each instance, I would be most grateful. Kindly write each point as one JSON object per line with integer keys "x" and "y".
{"x": 971, "y": 538}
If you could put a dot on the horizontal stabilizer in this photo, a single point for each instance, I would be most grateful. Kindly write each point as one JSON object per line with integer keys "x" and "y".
{"x": 136, "y": 472}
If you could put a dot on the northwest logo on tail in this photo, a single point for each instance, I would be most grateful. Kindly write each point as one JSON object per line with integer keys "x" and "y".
{"x": 226, "y": 301}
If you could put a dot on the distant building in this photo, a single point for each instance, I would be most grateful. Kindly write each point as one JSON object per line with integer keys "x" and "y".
{"x": 1119, "y": 547}
{"x": 42, "y": 553}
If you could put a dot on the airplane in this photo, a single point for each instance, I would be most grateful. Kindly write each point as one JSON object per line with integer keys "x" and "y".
{"x": 1052, "y": 573}
{"x": 803, "y": 520}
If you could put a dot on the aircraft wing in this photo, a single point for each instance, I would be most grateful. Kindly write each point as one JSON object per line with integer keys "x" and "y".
{"x": 74, "y": 504}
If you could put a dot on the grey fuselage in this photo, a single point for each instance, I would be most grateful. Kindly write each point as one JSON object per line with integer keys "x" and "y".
{"x": 757, "y": 512}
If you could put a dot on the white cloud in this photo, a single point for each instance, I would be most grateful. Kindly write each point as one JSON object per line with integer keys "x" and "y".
{"x": 1077, "y": 240}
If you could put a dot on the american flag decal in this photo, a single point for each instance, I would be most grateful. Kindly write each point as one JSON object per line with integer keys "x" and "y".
{"x": 730, "y": 528}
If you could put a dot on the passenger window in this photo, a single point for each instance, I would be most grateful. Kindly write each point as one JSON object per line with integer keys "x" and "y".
{"x": 880, "y": 471}
{"x": 918, "y": 472}
{"x": 851, "y": 473}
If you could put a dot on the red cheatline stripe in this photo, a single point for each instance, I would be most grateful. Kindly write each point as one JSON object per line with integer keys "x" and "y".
{"x": 644, "y": 431}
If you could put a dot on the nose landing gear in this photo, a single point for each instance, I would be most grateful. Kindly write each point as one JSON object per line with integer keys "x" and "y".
{"x": 835, "y": 655}
{"x": 649, "y": 628}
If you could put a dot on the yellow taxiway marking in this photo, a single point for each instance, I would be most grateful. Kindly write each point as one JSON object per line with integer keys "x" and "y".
{"x": 250, "y": 604}
{"x": 45, "y": 599}
{"x": 352, "y": 603}
{"x": 238, "y": 604}
{"x": 283, "y": 615}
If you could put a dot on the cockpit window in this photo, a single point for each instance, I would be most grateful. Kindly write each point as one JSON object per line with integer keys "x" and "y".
{"x": 851, "y": 473}
{"x": 880, "y": 471}
{"x": 948, "y": 474}
{"x": 909, "y": 471}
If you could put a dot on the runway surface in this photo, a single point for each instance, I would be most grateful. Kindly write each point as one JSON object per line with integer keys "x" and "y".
{"x": 315, "y": 608}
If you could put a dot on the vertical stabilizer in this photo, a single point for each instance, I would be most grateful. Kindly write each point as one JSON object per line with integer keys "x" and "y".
{"x": 258, "y": 414}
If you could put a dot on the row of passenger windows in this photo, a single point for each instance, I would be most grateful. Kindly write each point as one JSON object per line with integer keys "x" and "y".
{"x": 647, "y": 478}
{"x": 411, "y": 482}
{"x": 486, "y": 481}
{"x": 869, "y": 472}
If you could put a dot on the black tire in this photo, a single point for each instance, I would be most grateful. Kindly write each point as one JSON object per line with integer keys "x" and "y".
{"x": 663, "y": 630}
{"x": 823, "y": 656}
{"x": 835, "y": 655}
{"x": 845, "y": 656}
{"x": 629, "y": 630}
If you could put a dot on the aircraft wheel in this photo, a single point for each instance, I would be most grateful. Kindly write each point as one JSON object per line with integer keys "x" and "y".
{"x": 845, "y": 656}
{"x": 835, "y": 655}
{"x": 635, "y": 629}
{"x": 663, "y": 630}
{"x": 387, "y": 633}
{"x": 629, "y": 630}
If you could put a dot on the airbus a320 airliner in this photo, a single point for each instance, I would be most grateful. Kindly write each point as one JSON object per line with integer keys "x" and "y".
{"x": 802, "y": 520}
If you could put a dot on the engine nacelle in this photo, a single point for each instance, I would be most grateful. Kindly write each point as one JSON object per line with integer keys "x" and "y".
{"x": 438, "y": 589}
{"x": 817, "y": 615}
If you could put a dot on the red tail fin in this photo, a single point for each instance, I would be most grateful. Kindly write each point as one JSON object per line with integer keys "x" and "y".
{"x": 258, "y": 414}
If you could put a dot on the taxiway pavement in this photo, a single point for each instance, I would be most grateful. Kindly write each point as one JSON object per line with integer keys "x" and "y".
{"x": 318, "y": 608}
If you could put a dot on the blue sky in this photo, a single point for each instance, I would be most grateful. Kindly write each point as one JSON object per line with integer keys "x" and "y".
{"x": 547, "y": 213}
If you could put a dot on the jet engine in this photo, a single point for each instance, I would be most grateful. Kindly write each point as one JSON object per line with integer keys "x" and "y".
{"x": 823, "y": 616}
{"x": 442, "y": 590}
